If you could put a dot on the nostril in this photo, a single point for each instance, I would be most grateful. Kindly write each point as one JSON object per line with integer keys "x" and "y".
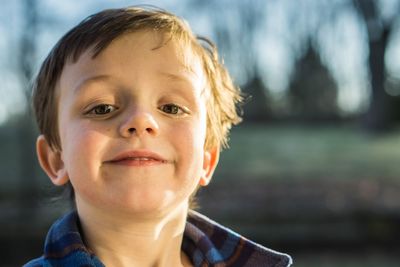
{"x": 131, "y": 130}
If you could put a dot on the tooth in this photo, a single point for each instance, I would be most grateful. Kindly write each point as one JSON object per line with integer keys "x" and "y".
{"x": 140, "y": 159}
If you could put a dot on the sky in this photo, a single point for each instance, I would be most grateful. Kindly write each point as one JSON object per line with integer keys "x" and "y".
{"x": 284, "y": 28}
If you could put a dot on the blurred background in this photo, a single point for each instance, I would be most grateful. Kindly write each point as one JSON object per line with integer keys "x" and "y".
{"x": 314, "y": 169}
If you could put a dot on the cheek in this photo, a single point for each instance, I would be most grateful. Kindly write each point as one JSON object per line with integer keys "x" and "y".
{"x": 82, "y": 146}
{"x": 188, "y": 141}
{"x": 188, "y": 136}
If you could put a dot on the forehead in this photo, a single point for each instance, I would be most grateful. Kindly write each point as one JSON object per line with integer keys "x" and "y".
{"x": 177, "y": 47}
{"x": 181, "y": 47}
{"x": 172, "y": 56}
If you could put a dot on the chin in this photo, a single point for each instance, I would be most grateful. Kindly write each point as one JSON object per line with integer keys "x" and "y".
{"x": 149, "y": 205}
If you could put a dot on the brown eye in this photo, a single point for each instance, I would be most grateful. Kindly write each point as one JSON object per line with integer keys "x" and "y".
{"x": 102, "y": 109}
{"x": 171, "y": 109}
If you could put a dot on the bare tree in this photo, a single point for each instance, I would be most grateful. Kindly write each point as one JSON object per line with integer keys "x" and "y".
{"x": 378, "y": 116}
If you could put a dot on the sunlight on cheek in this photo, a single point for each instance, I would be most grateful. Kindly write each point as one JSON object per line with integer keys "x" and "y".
{"x": 82, "y": 142}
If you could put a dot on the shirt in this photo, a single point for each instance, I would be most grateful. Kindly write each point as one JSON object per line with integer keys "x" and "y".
{"x": 205, "y": 242}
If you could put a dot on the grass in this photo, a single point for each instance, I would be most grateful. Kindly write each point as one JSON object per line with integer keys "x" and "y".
{"x": 300, "y": 152}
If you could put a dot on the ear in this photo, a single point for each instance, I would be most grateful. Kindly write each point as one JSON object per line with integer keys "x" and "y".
{"x": 210, "y": 161}
{"x": 51, "y": 162}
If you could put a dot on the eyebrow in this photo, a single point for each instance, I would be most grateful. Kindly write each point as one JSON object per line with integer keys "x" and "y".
{"x": 178, "y": 77}
{"x": 97, "y": 78}
{"x": 104, "y": 77}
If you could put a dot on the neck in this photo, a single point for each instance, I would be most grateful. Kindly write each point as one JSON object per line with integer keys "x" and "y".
{"x": 132, "y": 241}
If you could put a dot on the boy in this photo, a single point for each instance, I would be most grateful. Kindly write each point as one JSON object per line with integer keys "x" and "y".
{"x": 133, "y": 111}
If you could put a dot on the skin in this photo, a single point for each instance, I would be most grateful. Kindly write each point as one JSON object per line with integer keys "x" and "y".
{"x": 135, "y": 98}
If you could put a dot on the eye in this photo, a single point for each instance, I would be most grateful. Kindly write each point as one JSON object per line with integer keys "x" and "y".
{"x": 102, "y": 109}
{"x": 172, "y": 109}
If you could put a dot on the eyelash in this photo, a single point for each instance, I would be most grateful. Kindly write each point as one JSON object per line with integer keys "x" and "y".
{"x": 108, "y": 109}
{"x": 173, "y": 109}
{"x": 178, "y": 110}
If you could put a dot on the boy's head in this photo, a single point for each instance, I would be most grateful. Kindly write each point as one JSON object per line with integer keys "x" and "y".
{"x": 132, "y": 89}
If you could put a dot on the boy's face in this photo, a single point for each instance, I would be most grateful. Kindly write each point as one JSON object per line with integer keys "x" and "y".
{"x": 132, "y": 125}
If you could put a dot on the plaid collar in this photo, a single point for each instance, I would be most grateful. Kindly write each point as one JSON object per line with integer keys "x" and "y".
{"x": 208, "y": 243}
{"x": 205, "y": 242}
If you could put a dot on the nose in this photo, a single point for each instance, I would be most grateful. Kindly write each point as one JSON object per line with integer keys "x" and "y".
{"x": 139, "y": 122}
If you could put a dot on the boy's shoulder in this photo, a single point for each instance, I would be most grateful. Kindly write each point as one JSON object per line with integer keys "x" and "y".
{"x": 64, "y": 246}
{"x": 208, "y": 243}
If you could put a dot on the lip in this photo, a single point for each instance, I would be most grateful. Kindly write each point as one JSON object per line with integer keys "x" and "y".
{"x": 138, "y": 158}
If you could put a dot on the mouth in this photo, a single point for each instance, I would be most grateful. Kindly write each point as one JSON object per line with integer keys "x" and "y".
{"x": 138, "y": 158}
